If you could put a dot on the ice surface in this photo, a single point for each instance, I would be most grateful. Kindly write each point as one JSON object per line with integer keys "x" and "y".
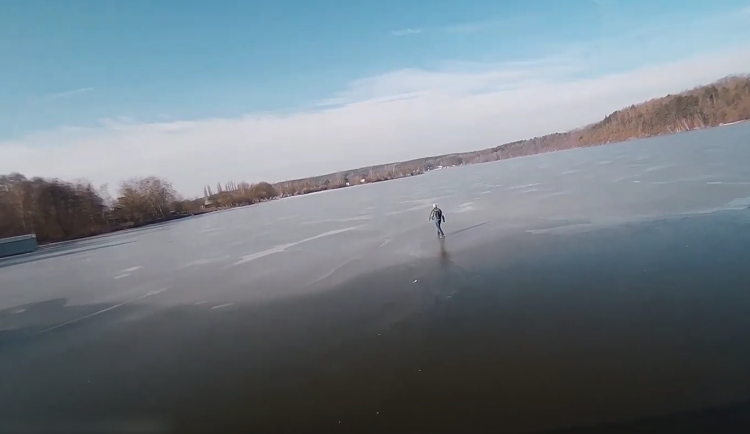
{"x": 304, "y": 244}
{"x": 560, "y": 282}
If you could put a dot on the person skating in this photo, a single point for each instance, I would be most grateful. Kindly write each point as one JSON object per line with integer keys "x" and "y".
{"x": 437, "y": 215}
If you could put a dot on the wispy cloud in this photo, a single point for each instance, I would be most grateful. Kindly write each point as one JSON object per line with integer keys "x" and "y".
{"x": 443, "y": 113}
{"x": 70, "y": 93}
{"x": 467, "y": 27}
{"x": 456, "y": 78}
{"x": 405, "y": 32}
{"x": 402, "y": 114}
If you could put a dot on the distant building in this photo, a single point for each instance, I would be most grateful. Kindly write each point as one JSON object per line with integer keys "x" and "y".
{"x": 18, "y": 245}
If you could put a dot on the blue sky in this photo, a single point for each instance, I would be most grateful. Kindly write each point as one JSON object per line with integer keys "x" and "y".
{"x": 102, "y": 67}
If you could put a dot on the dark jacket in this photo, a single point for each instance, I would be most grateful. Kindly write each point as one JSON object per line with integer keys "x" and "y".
{"x": 437, "y": 213}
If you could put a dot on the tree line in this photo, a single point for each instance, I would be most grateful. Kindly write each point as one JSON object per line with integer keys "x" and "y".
{"x": 233, "y": 194}
{"x": 57, "y": 210}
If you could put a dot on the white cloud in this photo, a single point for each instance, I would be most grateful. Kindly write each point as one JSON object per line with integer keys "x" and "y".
{"x": 457, "y": 78}
{"x": 470, "y": 27}
{"x": 69, "y": 93}
{"x": 405, "y": 32}
{"x": 400, "y": 115}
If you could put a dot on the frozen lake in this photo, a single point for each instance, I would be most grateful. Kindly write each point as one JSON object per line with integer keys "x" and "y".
{"x": 302, "y": 244}
{"x": 645, "y": 240}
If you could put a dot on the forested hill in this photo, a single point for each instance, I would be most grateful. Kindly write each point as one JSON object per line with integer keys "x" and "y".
{"x": 722, "y": 102}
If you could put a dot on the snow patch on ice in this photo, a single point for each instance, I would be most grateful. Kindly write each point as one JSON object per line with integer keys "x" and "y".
{"x": 282, "y": 247}
{"x": 204, "y": 261}
{"x": 740, "y": 203}
{"x": 521, "y": 187}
